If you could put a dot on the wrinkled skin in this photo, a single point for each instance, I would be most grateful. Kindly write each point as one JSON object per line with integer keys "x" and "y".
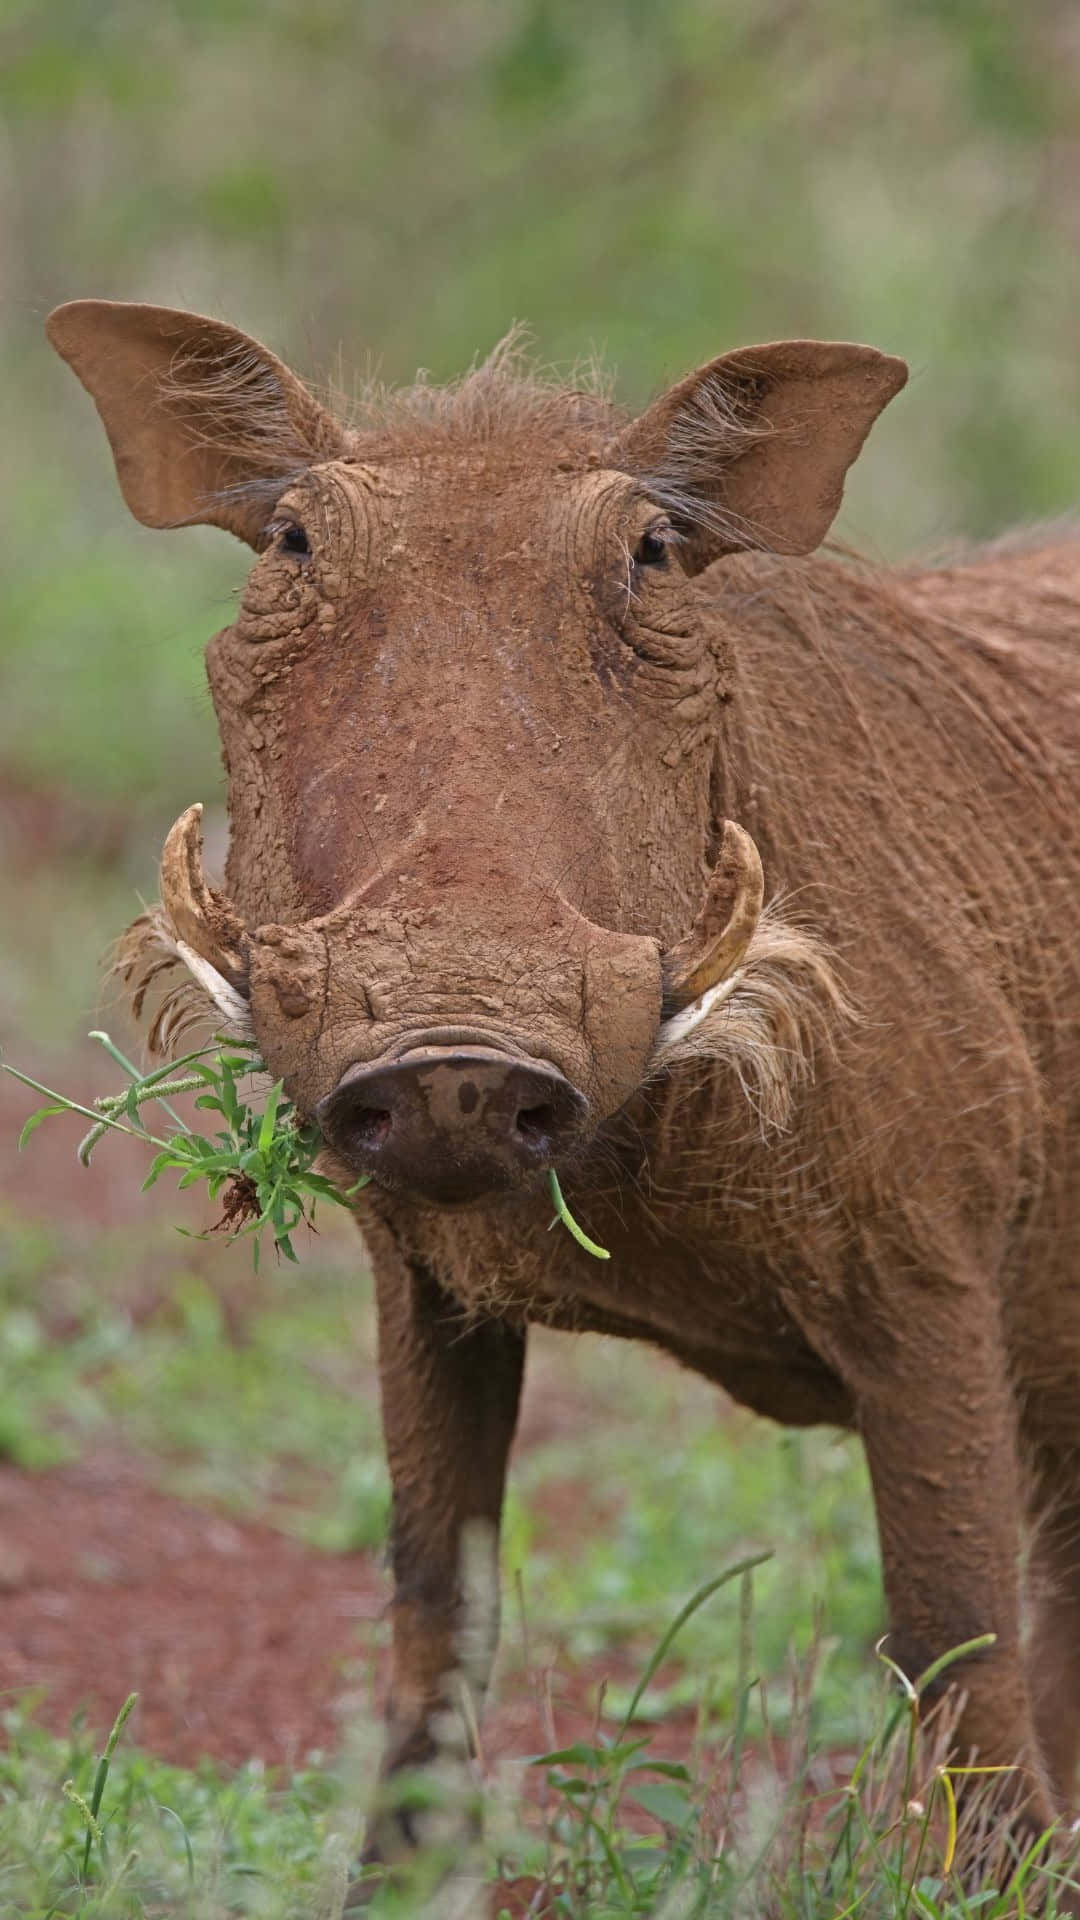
{"x": 453, "y": 871}
{"x": 502, "y": 673}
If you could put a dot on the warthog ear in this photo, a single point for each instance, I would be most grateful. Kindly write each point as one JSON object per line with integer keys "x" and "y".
{"x": 752, "y": 450}
{"x": 206, "y": 426}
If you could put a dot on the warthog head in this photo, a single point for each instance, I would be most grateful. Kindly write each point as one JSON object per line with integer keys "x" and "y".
{"x": 475, "y": 891}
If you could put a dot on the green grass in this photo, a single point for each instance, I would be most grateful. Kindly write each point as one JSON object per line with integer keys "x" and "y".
{"x": 171, "y": 1841}
{"x": 751, "y": 1831}
{"x": 280, "y": 1423}
{"x": 68, "y": 915}
{"x": 101, "y": 663}
{"x": 722, "y": 1483}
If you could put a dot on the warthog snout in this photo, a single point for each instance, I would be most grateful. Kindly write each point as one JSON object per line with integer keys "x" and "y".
{"x": 452, "y": 1123}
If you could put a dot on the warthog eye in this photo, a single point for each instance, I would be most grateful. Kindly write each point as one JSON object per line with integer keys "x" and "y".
{"x": 294, "y": 539}
{"x": 651, "y": 549}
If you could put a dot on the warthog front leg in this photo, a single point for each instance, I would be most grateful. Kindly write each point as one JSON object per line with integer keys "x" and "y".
{"x": 938, "y": 1420}
{"x": 1054, "y": 1658}
{"x": 450, "y": 1393}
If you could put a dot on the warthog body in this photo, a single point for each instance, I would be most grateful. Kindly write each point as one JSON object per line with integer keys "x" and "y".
{"x": 506, "y": 665}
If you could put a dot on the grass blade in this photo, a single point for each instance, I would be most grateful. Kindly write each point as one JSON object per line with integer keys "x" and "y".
{"x": 563, "y": 1213}
{"x": 122, "y": 1061}
{"x": 685, "y": 1613}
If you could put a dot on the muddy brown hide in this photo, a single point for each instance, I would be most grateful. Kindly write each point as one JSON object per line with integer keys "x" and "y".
{"x": 509, "y": 670}
{"x": 424, "y": 798}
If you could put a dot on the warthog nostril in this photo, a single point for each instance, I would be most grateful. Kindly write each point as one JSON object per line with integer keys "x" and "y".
{"x": 369, "y": 1126}
{"x": 452, "y": 1123}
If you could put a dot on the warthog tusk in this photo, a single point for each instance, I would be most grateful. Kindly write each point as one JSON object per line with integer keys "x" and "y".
{"x": 681, "y": 1024}
{"x": 713, "y": 950}
{"x": 202, "y": 919}
{"x": 234, "y": 1006}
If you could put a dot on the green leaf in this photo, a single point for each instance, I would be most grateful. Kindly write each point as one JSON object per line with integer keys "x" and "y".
{"x": 121, "y": 1060}
{"x": 666, "y": 1803}
{"x": 961, "y": 1652}
{"x": 179, "y": 1145}
{"x": 204, "y": 1072}
{"x": 269, "y": 1119}
{"x": 216, "y": 1161}
{"x": 579, "y": 1755}
{"x": 68, "y": 1106}
{"x": 192, "y": 1147}
{"x": 35, "y": 1120}
{"x": 318, "y": 1183}
{"x": 158, "y": 1166}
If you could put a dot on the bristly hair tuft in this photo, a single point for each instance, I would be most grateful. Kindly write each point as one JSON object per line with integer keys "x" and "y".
{"x": 233, "y": 405}
{"x": 714, "y": 426}
{"x": 506, "y": 395}
{"x": 782, "y": 1017}
{"x": 150, "y": 965}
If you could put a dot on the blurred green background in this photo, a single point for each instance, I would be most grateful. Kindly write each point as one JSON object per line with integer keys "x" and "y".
{"x": 391, "y": 183}
{"x": 395, "y": 183}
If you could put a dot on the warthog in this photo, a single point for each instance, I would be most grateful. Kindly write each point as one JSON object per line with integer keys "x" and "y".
{"x": 523, "y": 698}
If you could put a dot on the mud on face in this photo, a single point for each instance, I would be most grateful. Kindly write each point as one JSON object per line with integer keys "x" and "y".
{"x": 476, "y": 892}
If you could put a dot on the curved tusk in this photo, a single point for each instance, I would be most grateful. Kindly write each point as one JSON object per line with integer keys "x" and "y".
{"x": 201, "y": 917}
{"x": 716, "y": 943}
{"x": 227, "y": 999}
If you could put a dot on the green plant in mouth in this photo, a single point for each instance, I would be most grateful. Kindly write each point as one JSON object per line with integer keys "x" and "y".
{"x": 563, "y": 1213}
{"x": 260, "y": 1163}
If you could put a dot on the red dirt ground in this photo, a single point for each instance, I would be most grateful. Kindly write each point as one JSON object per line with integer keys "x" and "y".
{"x": 240, "y": 1641}
{"x": 236, "y": 1637}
